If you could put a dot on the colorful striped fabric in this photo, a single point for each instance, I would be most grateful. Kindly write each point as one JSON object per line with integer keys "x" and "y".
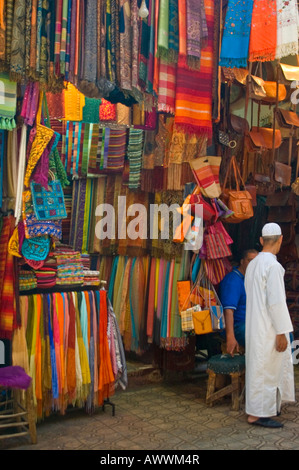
{"x": 206, "y": 173}
{"x": 116, "y": 150}
{"x": 193, "y": 105}
{"x": 8, "y": 321}
{"x": 134, "y": 152}
{"x": 167, "y": 87}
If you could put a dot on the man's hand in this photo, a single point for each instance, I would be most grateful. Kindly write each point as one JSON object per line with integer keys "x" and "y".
{"x": 281, "y": 343}
{"x": 232, "y": 345}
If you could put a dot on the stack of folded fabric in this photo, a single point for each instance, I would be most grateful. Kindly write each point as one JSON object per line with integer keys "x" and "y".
{"x": 91, "y": 278}
{"x": 85, "y": 260}
{"x": 69, "y": 267}
{"x": 27, "y": 280}
{"x": 46, "y": 275}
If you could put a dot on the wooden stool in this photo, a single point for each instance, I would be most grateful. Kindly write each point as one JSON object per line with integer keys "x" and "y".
{"x": 17, "y": 416}
{"x": 220, "y": 367}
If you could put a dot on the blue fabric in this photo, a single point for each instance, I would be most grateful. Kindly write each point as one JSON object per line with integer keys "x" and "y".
{"x": 112, "y": 278}
{"x": 232, "y": 294}
{"x": 165, "y": 303}
{"x": 195, "y": 269}
{"x": 236, "y": 34}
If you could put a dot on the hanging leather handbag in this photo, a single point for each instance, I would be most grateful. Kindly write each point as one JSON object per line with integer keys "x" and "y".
{"x": 282, "y": 173}
{"x": 237, "y": 200}
{"x": 280, "y": 199}
{"x": 262, "y": 138}
{"x": 287, "y": 119}
{"x": 264, "y": 184}
{"x": 288, "y": 73}
{"x": 265, "y": 91}
{"x": 238, "y": 124}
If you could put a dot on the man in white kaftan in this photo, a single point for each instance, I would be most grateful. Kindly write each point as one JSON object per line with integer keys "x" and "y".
{"x": 269, "y": 367}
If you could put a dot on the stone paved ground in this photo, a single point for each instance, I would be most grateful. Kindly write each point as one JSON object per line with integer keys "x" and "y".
{"x": 156, "y": 414}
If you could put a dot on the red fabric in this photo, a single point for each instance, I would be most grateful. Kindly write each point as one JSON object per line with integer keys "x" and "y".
{"x": 8, "y": 320}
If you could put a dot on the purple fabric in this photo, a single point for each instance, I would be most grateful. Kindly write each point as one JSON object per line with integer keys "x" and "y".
{"x": 14, "y": 377}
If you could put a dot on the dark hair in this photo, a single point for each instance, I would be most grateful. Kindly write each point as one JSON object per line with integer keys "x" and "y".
{"x": 245, "y": 253}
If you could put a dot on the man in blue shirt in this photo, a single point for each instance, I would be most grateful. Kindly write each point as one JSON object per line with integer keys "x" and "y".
{"x": 233, "y": 299}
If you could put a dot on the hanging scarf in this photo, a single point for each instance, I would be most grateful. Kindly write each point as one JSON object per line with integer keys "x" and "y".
{"x": 9, "y": 16}
{"x": 166, "y": 87}
{"x": 19, "y": 344}
{"x": 43, "y": 63}
{"x": 90, "y": 59}
{"x": 125, "y": 45}
{"x": 8, "y": 320}
{"x": 2, "y": 32}
{"x": 106, "y": 377}
{"x": 134, "y": 153}
{"x": 194, "y": 87}
{"x": 235, "y": 41}
{"x": 55, "y": 390}
{"x": 287, "y": 28}
{"x": 197, "y": 32}
{"x": 71, "y": 368}
{"x": 17, "y": 59}
{"x": 135, "y": 43}
{"x": 263, "y": 34}
{"x": 28, "y": 9}
{"x": 63, "y": 36}
{"x": 144, "y": 42}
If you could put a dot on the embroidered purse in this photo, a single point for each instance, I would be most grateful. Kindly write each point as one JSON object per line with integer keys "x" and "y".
{"x": 36, "y": 249}
{"x": 48, "y": 204}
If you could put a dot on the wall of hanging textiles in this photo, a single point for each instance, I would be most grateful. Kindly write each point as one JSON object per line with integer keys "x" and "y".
{"x": 74, "y": 350}
{"x": 101, "y": 102}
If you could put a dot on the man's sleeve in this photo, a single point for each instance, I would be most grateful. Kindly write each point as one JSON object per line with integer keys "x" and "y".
{"x": 229, "y": 293}
{"x": 276, "y": 301}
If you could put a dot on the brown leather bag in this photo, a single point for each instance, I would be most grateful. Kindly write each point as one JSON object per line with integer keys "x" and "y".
{"x": 262, "y": 138}
{"x": 237, "y": 200}
{"x": 238, "y": 124}
{"x": 265, "y": 91}
{"x": 288, "y": 73}
{"x": 287, "y": 119}
{"x": 282, "y": 173}
{"x": 281, "y": 199}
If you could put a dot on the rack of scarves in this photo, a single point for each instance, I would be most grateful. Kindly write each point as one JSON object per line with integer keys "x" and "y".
{"x": 69, "y": 342}
{"x": 143, "y": 293}
{"x": 259, "y": 31}
{"x": 165, "y": 63}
